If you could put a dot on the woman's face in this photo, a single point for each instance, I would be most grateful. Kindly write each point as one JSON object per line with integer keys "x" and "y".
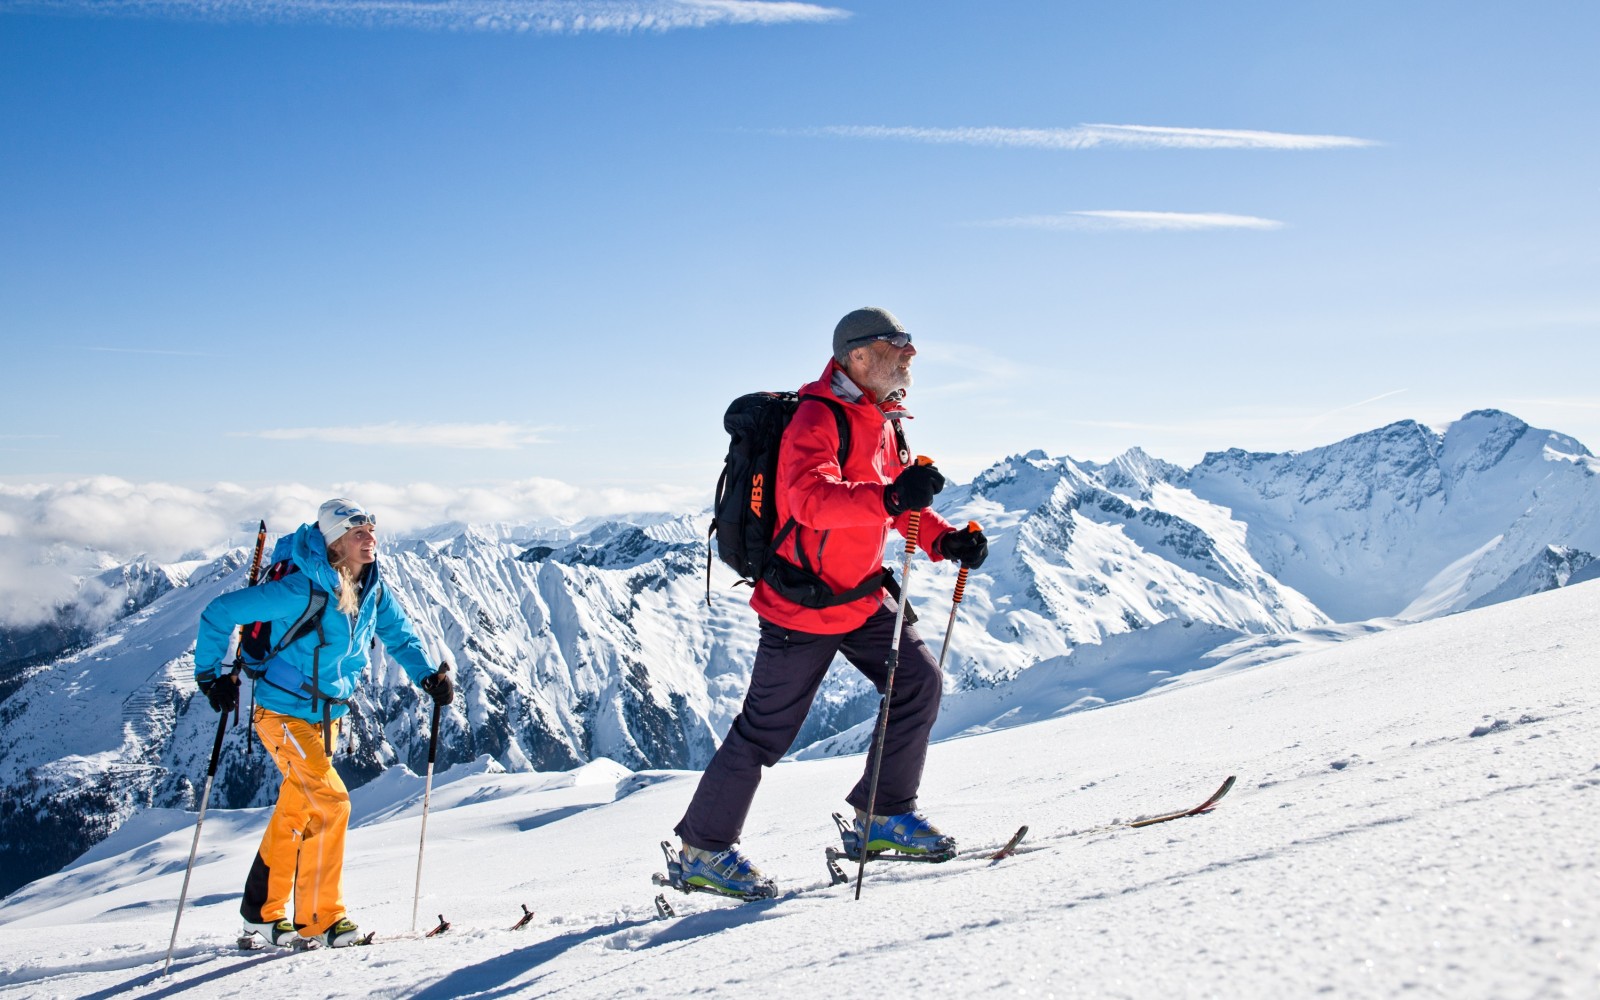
{"x": 357, "y": 547}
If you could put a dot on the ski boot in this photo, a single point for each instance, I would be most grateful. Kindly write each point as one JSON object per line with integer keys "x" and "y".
{"x": 279, "y": 934}
{"x": 902, "y": 837}
{"x": 723, "y": 873}
{"x": 342, "y": 934}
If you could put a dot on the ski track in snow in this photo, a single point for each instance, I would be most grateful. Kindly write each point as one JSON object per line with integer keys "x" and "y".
{"x": 1414, "y": 816}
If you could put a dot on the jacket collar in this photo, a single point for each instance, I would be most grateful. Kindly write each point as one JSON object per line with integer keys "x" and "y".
{"x": 310, "y": 553}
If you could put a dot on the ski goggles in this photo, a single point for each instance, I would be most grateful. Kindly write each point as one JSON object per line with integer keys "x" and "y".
{"x": 359, "y": 519}
{"x": 898, "y": 339}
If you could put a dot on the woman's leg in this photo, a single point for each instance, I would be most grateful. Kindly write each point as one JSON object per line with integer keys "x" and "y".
{"x": 304, "y": 842}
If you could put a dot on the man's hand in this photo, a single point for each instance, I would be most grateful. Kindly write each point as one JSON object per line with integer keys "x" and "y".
{"x": 913, "y": 489}
{"x": 968, "y": 546}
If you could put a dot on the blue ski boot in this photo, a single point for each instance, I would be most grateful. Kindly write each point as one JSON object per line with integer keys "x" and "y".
{"x": 727, "y": 873}
{"x": 902, "y": 837}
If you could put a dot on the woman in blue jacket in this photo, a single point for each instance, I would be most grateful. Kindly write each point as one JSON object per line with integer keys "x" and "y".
{"x": 324, "y": 619}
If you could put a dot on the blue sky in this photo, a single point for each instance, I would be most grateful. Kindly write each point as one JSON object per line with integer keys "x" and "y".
{"x": 476, "y": 246}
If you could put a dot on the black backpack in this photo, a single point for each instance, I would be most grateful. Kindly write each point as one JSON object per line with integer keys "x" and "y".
{"x": 745, "y": 513}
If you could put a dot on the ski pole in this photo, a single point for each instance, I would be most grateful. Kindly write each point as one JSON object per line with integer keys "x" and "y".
{"x": 205, "y": 799}
{"x": 914, "y": 521}
{"x": 427, "y": 793}
{"x": 955, "y": 602}
{"x": 211, "y": 771}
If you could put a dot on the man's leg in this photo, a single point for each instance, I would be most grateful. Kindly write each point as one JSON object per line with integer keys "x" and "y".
{"x": 918, "y": 685}
{"x": 788, "y": 669}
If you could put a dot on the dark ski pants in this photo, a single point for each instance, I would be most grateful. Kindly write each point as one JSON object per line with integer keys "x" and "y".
{"x": 788, "y": 670}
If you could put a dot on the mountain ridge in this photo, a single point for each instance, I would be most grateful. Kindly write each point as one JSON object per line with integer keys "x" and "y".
{"x": 593, "y": 640}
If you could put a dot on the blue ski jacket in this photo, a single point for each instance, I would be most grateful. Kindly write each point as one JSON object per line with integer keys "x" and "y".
{"x": 338, "y": 660}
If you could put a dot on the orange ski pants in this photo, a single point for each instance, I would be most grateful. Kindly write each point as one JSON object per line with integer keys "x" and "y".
{"x": 303, "y": 848}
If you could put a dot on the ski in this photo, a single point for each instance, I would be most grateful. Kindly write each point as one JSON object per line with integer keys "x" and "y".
{"x": 527, "y": 915}
{"x": 848, "y": 835}
{"x": 1010, "y": 846}
{"x": 1205, "y": 806}
{"x": 673, "y": 878}
{"x": 837, "y": 854}
{"x": 444, "y": 925}
{"x": 253, "y": 942}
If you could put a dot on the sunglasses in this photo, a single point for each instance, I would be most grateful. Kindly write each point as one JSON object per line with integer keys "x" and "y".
{"x": 896, "y": 340}
{"x": 360, "y": 520}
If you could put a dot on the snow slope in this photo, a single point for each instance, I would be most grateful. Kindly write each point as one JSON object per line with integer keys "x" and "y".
{"x": 1414, "y": 815}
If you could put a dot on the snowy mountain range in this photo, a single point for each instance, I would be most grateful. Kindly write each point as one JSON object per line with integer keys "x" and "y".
{"x": 595, "y": 641}
{"x": 1413, "y": 816}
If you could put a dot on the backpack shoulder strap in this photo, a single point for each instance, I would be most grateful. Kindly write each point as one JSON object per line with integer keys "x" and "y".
{"x": 310, "y": 620}
{"x": 840, "y": 418}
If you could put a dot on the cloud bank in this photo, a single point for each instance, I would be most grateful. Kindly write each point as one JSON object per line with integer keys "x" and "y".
{"x": 1093, "y": 136}
{"x": 1109, "y": 219}
{"x": 53, "y": 537}
{"x": 507, "y": 16}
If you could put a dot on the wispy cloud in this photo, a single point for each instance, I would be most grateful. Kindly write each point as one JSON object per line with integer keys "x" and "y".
{"x": 143, "y": 350}
{"x": 510, "y": 16}
{"x": 495, "y": 437}
{"x": 1110, "y": 219}
{"x": 1093, "y": 136}
{"x": 1319, "y": 418}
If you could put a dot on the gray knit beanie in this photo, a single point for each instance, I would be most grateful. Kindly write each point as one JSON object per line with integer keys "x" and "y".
{"x": 862, "y": 323}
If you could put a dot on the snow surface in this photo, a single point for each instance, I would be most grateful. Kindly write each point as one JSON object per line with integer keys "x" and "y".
{"x": 1414, "y": 816}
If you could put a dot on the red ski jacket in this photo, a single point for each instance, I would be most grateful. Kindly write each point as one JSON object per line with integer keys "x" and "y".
{"x": 841, "y": 526}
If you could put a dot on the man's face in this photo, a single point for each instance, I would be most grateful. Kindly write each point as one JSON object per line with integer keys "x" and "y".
{"x": 881, "y": 368}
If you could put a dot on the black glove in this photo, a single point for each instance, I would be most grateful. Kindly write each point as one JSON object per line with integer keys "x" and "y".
{"x": 222, "y": 692}
{"x": 968, "y": 546}
{"x": 913, "y": 489}
{"x": 439, "y": 686}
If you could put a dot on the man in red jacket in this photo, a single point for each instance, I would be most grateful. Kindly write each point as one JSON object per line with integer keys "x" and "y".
{"x": 842, "y": 519}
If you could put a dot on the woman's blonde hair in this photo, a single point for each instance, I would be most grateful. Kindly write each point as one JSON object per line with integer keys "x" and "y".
{"x": 349, "y": 585}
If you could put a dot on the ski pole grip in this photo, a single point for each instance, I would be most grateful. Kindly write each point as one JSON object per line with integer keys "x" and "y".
{"x": 961, "y": 577}
{"x": 915, "y": 516}
{"x": 433, "y": 730}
